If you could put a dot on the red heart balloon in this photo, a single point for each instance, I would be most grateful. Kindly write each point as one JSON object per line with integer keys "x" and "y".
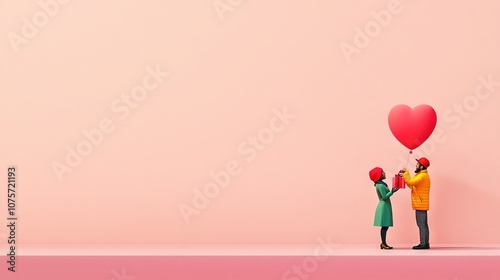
{"x": 412, "y": 126}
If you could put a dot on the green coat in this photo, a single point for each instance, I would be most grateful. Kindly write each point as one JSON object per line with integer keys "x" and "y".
{"x": 383, "y": 214}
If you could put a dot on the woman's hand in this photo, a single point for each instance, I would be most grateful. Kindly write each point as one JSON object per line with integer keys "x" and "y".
{"x": 394, "y": 190}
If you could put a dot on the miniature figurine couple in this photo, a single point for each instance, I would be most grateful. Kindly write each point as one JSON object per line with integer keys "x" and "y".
{"x": 420, "y": 186}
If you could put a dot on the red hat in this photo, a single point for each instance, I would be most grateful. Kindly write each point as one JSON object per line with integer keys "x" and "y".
{"x": 375, "y": 174}
{"x": 425, "y": 162}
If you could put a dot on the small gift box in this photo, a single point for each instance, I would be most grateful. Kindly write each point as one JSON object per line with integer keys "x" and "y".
{"x": 398, "y": 181}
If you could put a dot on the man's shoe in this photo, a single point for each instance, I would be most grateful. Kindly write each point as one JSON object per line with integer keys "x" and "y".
{"x": 422, "y": 247}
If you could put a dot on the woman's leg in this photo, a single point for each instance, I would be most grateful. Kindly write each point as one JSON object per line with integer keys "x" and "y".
{"x": 383, "y": 234}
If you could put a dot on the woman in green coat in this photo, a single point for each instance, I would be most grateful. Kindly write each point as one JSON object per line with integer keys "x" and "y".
{"x": 383, "y": 213}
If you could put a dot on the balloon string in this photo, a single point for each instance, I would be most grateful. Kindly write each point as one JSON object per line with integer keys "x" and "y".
{"x": 408, "y": 160}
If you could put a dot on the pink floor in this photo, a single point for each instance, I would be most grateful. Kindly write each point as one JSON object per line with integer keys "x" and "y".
{"x": 452, "y": 263}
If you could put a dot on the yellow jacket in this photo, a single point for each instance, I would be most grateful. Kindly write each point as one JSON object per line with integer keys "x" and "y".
{"x": 420, "y": 186}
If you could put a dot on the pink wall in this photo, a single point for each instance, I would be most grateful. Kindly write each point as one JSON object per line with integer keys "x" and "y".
{"x": 286, "y": 101}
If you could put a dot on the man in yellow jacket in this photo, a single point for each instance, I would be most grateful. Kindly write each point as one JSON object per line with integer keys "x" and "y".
{"x": 420, "y": 186}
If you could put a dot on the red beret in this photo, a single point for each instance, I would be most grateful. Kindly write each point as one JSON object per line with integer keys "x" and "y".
{"x": 375, "y": 174}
